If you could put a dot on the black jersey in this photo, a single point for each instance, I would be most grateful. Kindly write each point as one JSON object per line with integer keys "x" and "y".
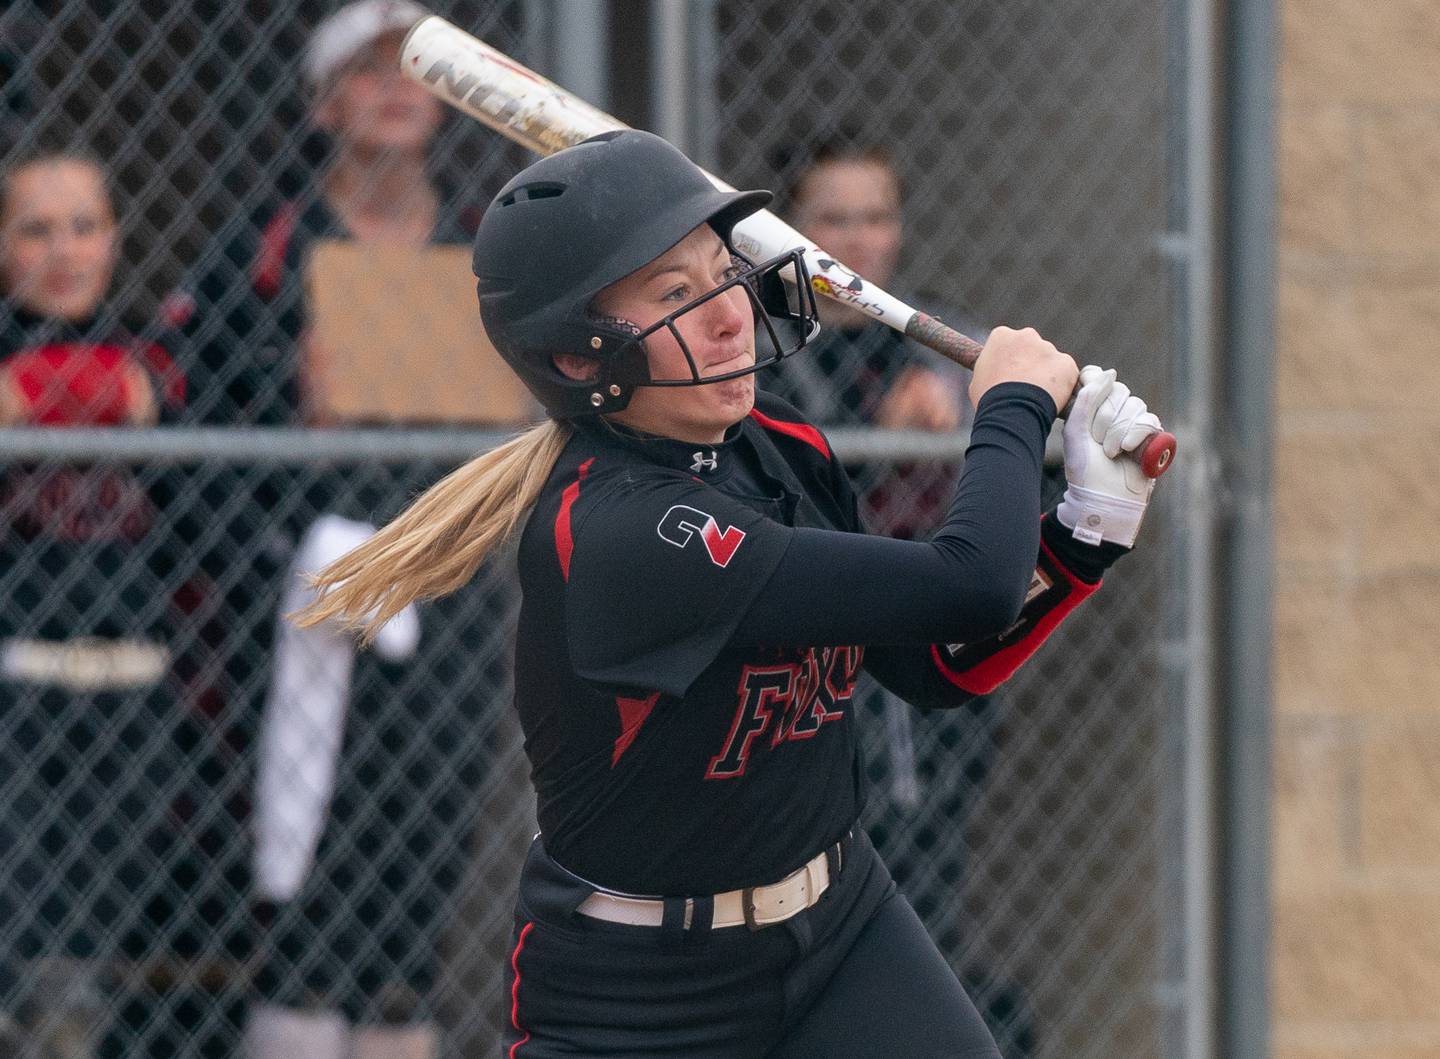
{"x": 81, "y": 542}
{"x": 695, "y": 618}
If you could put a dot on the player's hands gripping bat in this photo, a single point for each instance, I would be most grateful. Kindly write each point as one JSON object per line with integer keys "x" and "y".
{"x": 537, "y": 113}
{"x": 1105, "y": 496}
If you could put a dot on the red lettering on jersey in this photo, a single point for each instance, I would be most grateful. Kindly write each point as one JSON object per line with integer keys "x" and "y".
{"x": 681, "y": 524}
{"x": 809, "y": 692}
{"x": 832, "y": 694}
{"x": 721, "y": 546}
{"x": 824, "y": 699}
{"x": 633, "y": 713}
{"x": 845, "y": 664}
{"x": 761, "y": 688}
{"x": 807, "y": 682}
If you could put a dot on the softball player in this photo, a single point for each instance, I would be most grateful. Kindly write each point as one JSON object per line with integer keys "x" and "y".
{"x": 699, "y": 603}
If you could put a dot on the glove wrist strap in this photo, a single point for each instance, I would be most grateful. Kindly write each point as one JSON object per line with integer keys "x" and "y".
{"x": 1094, "y": 517}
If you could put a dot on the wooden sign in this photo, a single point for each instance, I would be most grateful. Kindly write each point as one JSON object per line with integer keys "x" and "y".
{"x": 395, "y": 337}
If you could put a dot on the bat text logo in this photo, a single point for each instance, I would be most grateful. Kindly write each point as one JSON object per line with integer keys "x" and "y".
{"x": 468, "y": 87}
{"x": 683, "y": 524}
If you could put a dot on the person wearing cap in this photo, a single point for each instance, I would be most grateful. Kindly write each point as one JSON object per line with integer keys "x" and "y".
{"x": 349, "y": 936}
{"x": 375, "y": 183}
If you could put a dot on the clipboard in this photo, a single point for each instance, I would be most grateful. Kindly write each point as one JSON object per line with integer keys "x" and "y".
{"x": 395, "y": 337}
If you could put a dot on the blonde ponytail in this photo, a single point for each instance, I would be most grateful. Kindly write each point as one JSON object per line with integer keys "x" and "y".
{"x": 437, "y": 543}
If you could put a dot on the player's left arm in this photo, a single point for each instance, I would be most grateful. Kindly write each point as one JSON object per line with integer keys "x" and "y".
{"x": 1067, "y": 572}
{"x": 1095, "y": 523}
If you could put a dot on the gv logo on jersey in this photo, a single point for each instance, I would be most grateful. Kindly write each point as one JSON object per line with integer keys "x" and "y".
{"x": 682, "y": 524}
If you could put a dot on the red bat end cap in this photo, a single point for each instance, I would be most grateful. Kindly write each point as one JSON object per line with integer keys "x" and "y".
{"x": 1158, "y": 454}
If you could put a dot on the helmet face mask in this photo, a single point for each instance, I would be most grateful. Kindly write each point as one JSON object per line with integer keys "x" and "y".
{"x": 574, "y": 223}
{"x": 785, "y": 315}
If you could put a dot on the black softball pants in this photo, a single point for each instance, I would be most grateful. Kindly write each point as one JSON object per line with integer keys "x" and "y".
{"x": 853, "y": 977}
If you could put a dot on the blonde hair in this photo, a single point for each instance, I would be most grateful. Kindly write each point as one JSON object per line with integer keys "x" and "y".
{"x": 436, "y": 544}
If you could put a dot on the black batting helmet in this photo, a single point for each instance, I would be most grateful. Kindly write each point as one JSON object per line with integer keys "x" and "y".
{"x": 570, "y": 225}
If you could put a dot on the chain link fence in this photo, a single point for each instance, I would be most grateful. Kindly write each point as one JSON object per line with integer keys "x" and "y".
{"x": 1029, "y": 144}
{"x": 184, "y": 844}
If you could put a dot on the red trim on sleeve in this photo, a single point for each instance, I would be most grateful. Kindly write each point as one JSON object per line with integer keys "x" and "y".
{"x": 804, "y": 431}
{"x": 564, "y": 541}
{"x": 633, "y": 714}
{"x": 515, "y": 991}
{"x": 989, "y": 674}
{"x": 268, "y": 269}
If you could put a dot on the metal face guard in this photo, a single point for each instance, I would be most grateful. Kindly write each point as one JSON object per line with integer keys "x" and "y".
{"x": 771, "y": 297}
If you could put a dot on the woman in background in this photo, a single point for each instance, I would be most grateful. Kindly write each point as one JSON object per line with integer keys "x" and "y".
{"x": 90, "y": 567}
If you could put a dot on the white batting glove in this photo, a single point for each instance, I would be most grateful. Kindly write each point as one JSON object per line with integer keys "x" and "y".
{"x": 1106, "y": 492}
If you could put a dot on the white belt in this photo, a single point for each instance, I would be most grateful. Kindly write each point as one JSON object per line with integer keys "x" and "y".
{"x": 754, "y": 906}
{"x": 85, "y": 663}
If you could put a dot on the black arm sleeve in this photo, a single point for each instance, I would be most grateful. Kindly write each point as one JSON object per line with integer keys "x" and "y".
{"x": 698, "y": 570}
{"x": 945, "y": 675}
{"x": 977, "y": 658}
{"x": 967, "y": 582}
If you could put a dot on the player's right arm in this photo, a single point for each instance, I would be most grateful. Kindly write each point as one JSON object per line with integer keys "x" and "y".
{"x": 1023, "y": 356}
{"x": 666, "y": 572}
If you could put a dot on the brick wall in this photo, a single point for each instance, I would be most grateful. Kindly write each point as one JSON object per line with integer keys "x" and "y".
{"x": 1356, "y": 950}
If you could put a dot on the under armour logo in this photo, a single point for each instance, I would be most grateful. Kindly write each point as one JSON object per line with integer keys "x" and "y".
{"x": 704, "y": 462}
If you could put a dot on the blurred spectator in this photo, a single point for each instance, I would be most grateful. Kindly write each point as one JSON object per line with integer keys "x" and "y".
{"x": 375, "y": 184}
{"x": 368, "y": 763}
{"x": 924, "y": 766}
{"x": 91, "y": 572}
{"x": 846, "y": 195}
